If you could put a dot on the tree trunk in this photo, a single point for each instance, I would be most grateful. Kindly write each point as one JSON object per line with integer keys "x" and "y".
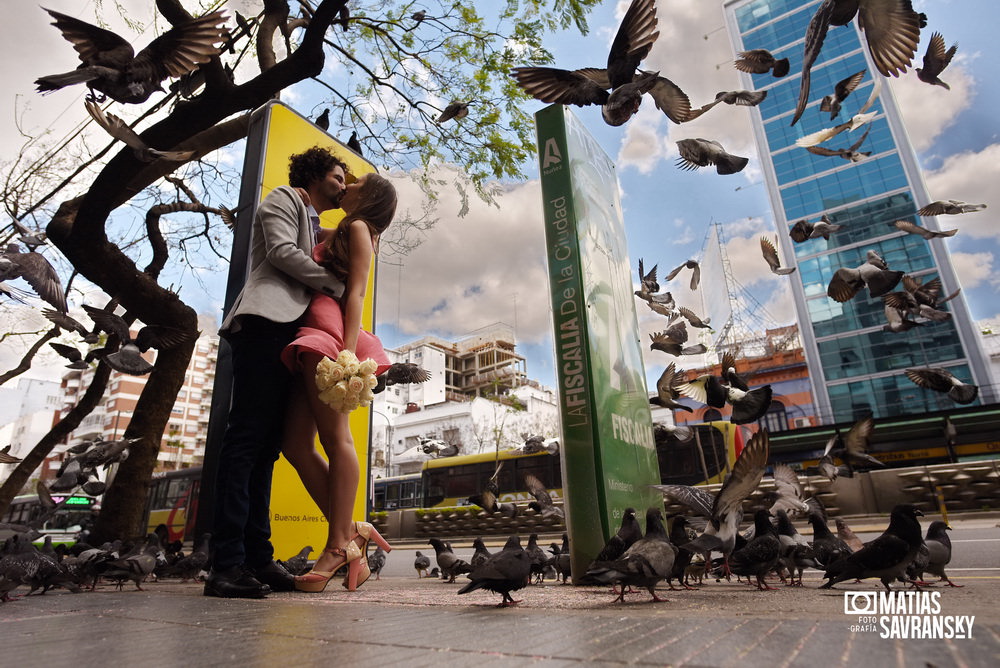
{"x": 122, "y": 510}
{"x": 91, "y": 398}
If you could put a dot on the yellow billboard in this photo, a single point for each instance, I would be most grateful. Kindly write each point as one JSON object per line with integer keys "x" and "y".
{"x": 280, "y": 132}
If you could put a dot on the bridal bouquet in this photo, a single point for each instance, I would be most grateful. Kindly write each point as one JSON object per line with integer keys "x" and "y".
{"x": 346, "y": 383}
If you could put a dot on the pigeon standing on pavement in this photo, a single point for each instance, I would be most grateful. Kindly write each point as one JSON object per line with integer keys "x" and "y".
{"x": 939, "y": 548}
{"x": 628, "y": 533}
{"x": 137, "y": 566}
{"x": 827, "y": 547}
{"x": 299, "y": 564}
{"x": 887, "y": 556}
{"x": 190, "y": 566}
{"x": 760, "y": 555}
{"x": 480, "y": 553}
{"x": 376, "y": 562}
{"x": 537, "y": 557}
{"x": 421, "y": 563}
{"x": 451, "y": 566}
{"x": 727, "y": 506}
{"x": 505, "y": 571}
{"x": 679, "y": 536}
{"x": 649, "y": 561}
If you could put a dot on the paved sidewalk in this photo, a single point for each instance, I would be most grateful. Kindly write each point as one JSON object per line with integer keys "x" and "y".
{"x": 422, "y": 622}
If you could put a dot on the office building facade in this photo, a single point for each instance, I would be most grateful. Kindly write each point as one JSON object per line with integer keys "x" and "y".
{"x": 855, "y": 367}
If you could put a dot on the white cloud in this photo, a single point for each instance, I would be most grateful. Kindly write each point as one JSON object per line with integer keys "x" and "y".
{"x": 930, "y": 110}
{"x": 969, "y": 177}
{"x": 473, "y": 271}
{"x": 641, "y": 145}
{"x": 974, "y": 269}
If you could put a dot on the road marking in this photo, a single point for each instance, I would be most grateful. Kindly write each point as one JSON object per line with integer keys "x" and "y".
{"x": 977, "y": 540}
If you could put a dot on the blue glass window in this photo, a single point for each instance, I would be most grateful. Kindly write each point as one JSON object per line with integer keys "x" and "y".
{"x": 860, "y": 222}
{"x": 891, "y": 395}
{"x": 908, "y": 253}
{"x": 859, "y": 181}
{"x": 754, "y": 13}
{"x": 797, "y": 163}
{"x": 783, "y": 98}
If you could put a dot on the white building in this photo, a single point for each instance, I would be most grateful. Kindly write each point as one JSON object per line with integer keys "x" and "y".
{"x": 183, "y": 442}
{"x": 478, "y": 398}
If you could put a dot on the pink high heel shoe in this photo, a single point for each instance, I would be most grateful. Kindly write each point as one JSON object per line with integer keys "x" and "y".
{"x": 358, "y": 571}
{"x": 316, "y": 581}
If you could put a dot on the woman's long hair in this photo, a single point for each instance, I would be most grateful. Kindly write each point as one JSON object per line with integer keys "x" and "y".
{"x": 376, "y": 208}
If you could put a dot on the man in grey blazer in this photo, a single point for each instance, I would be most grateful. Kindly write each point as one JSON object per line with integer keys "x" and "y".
{"x": 262, "y": 321}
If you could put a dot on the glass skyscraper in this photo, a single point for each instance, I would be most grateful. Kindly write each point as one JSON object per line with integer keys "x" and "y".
{"x": 855, "y": 367}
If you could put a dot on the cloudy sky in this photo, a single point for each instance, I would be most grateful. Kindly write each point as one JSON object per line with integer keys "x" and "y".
{"x": 489, "y": 265}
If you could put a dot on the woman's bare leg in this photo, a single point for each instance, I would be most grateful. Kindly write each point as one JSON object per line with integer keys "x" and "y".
{"x": 299, "y": 447}
{"x": 342, "y": 480}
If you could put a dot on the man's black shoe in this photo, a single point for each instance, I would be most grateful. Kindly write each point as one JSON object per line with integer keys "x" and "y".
{"x": 235, "y": 582}
{"x": 275, "y": 576}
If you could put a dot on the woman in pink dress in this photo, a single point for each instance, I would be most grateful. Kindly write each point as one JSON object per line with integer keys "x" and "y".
{"x": 328, "y": 328}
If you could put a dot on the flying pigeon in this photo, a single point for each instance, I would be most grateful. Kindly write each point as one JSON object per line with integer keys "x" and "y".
{"x": 695, "y": 272}
{"x": 891, "y": 27}
{"x": 887, "y": 556}
{"x": 128, "y": 358}
{"x": 401, "y": 373}
{"x": 30, "y": 239}
{"x": 926, "y": 294}
{"x": 121, "y": 131}
{"x": 110, "y": 66}
{"x": 451, "y": 566}
{"x": 646, "y": 563}
{"x": 935, "y": 60}
{"x": 863, "y": 117}
{"x": 668, "y": 388}
{"x": 663, "y": 432}
{"x": 693, "y": 319}
{"x": 37, "y": 271}
{"x": 748, "y": 405}
{"x": 671, "y": 341}
{"x": 6, "y": 457}
{"x": 588, "y": 86}
{"x": 740, "y": 98}
{"x": 788, "y": 495}
{"x": 72, "y": 353}
{"x": 852, "y": 450}
{"x": 699, "y": 152}
{"x": 913, "y": 228}
{"x": 647, "y": 282}
{"x": 455, "y": 109}
{"x": 504, "y": 572}
{"x": 844, "y": 87}
{"x": 803, "y": 230}
{"x": 543, "y": 501}
{"x": 760, "y": 61}
{"x": 727, "y": 507}
{"x": 951, "y": 207}
{"x": 895, "y": 319}
{"x": 851, "y": 153}
{"x": 906, "y": 304}
{"x": 942, "y": 380}
{"x": 770, "y": 254}
{"x": 71, "y": 324}
{"x": 874, "y": 273}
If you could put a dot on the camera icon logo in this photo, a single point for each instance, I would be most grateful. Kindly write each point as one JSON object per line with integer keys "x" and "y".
{"x": 860, "y": 603}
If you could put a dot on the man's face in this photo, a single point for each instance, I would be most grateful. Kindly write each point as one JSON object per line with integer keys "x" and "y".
{"x": 333, "y": 185}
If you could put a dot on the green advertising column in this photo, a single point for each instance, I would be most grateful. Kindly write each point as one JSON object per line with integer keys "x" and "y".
{"x": 609, "y": 455}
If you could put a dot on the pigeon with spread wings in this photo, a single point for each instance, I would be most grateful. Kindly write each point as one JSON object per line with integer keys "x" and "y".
{"x": 748, "y": 405}
{"x": 844, "y": 87}
{"x": 912, "y": 228}
{"x": 695, "y": 272}
{"x": 542, "y": 504}
{"x": 770, "y": 254}
{"x": 727, "y": 506}
{"x": 950, "y": 207}
{"x": 874, "y": 273}
{"x": 695, "y": 153}
{"x": 618, "y": 88}
{"x": 120, "y": 130}
{"x": 851, "y": 153}
{"x": 110, "y": 66}
{"x": 803, "y": 230}
{"x": 944, "y": 381}
{"x": 852, "y": 450}
{"x": 739, "y": 98}
{"x": 935, "y": 60}
{"x": 891, "y": 28}
{"x": 760, "y": 61}
{"x": 862, "y": 118}
{"x": 668, "y": 388}
{"x": 128, "y": 358}
{"x": 37, "y": 271}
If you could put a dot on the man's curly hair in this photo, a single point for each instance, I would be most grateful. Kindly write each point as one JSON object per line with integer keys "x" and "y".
{"x": 312, "y": 165}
